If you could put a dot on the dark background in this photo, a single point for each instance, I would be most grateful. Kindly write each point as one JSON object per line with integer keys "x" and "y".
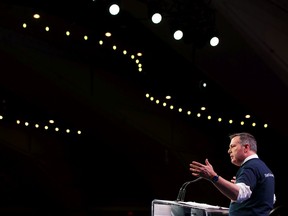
{"x": 131, "y": 150}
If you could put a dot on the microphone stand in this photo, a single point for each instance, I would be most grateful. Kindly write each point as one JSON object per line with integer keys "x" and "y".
{"x": 182, "y": 191}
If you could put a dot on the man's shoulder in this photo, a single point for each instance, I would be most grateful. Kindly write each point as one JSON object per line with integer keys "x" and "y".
{"x": 256, "y": 163}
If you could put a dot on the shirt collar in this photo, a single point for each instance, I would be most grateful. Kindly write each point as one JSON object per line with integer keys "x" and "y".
{"x": 250, "y": 157}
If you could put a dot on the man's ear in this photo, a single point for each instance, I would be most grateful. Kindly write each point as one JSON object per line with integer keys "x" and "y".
{"x": 247, "y": 146}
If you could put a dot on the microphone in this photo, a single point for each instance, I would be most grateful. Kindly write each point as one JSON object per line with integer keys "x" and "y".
{"x": 182, "y": 191}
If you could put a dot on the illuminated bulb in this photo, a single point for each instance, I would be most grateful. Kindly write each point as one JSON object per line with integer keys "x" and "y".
{"x": 108, "y": 34}
{"x": 36, "y": 16}
{"x": 214, "y": 41}
{"x": 178, "y": 35}
{"x": 114, "y": 9}
{"x": 156, "y": 18}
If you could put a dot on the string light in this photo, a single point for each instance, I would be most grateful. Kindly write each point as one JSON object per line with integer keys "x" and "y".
{"x": 137, "y": 61}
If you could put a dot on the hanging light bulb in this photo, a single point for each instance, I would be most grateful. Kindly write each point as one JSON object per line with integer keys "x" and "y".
{"x": 114, "y": 9}
{"x": 156, "y": 18}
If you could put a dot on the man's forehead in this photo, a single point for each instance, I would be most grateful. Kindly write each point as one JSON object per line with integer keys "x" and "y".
{"x": 236, "y": 138}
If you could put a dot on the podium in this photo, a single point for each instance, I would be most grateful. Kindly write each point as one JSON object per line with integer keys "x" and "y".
{"x": 174, "y": 208}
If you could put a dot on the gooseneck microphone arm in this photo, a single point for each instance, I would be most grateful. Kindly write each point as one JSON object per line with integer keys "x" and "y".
{"x": 182, "y": 191}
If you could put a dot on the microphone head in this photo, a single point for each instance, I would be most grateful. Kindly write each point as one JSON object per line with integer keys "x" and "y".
{"x": 182, "y": 191}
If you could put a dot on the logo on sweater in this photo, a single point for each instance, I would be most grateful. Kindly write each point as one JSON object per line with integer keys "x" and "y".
{"x": 268, "y": 175}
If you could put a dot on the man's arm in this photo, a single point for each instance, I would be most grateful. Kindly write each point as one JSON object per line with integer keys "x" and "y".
{"x": 227, "y": 188}
{"x": 206, "y": 171}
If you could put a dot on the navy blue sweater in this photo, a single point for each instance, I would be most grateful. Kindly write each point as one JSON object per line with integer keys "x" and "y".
{"x": 258, "y": 176}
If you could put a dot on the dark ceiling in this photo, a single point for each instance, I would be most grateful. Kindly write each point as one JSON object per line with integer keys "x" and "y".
{"x": 133, "y": 151}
